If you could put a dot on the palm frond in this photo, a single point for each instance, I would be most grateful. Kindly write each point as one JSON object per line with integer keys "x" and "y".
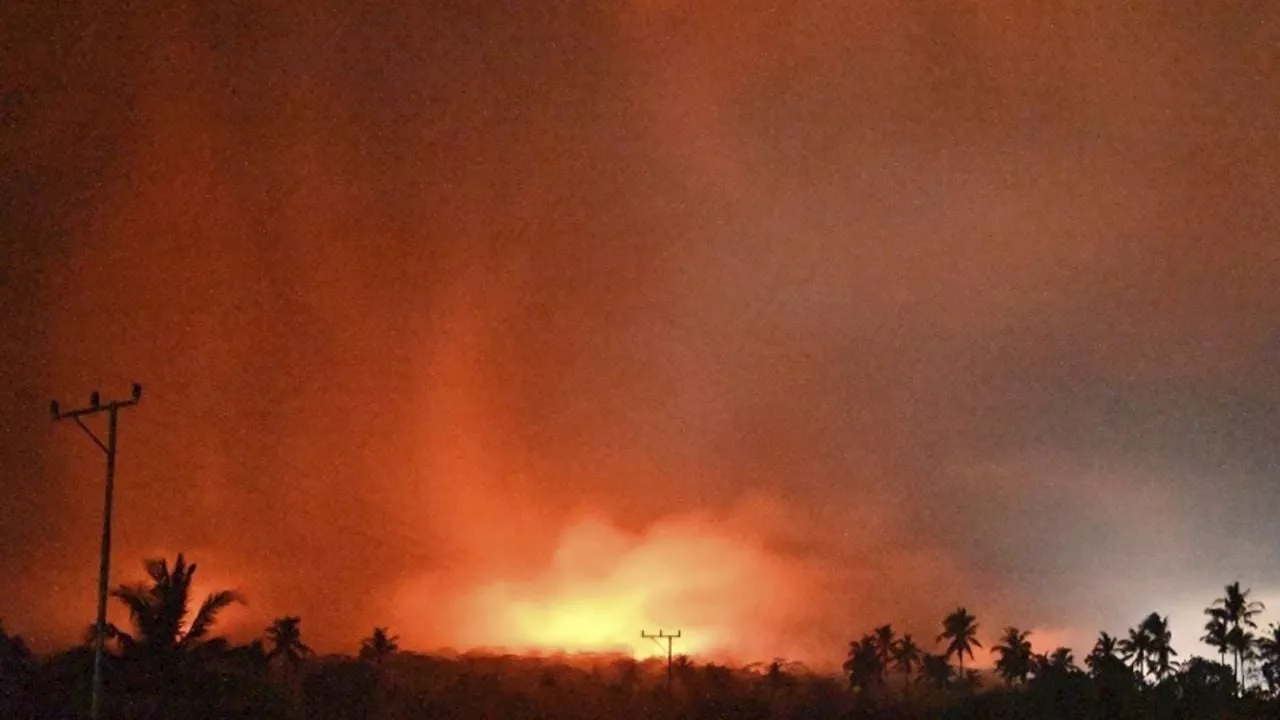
{"x": 126, "y": 641}
{"x": 208, "y": 613}
{"x": 109, "y": 632}
{"x": 178, "y": 596}
{"x": 136, "y": 597}
{"x": 158, "y": 568}
{"x": 180, "y": 566}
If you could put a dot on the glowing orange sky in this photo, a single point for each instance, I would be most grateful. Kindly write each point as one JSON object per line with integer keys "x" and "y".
{"x": 535, "y": 326}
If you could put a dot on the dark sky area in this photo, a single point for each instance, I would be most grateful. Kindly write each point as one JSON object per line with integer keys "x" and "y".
{"x": 772, "y": 321}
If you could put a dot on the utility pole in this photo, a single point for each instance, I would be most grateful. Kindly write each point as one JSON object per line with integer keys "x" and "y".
{"x": 104, "y": 562}
{"x": 658, "y": 640}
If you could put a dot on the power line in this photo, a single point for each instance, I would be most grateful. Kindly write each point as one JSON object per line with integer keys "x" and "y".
{"x": 657, "y": 639}
{"x": 104, "y": 561}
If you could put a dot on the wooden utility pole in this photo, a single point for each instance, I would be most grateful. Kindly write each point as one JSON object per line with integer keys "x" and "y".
{"x": 104, "y": 560}
{"x": 658, "y": 639}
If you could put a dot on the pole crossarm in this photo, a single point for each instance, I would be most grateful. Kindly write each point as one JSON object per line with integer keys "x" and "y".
{"x": 80, "y": 412}
{"x": 657, "y": 639}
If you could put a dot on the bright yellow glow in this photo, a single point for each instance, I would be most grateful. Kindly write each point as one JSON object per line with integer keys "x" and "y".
{"x": 603, "y": 586}
{"x": 580, "y": 619}
{"x": 580, "y": 622}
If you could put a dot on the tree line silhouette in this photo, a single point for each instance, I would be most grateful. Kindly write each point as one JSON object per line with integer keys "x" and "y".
{"x": 1135, "y": 676}
{"x": 168, "y": 664}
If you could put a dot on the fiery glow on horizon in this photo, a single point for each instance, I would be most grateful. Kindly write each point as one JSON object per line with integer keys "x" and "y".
{"x": 474, "y": 315}
{"x": 582, "y": 619}
{"x": 604, "y": 585}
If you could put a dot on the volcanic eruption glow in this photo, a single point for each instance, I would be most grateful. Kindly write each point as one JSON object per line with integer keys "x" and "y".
{"x": 527, "y": 327}
{"x": 604, "y": 585}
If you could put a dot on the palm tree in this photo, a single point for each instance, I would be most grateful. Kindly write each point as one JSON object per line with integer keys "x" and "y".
{"x": 378, "y": 646}
{"x": 159, "y": 611}
{"x": 1104, "y": 648}
{"x": 1102, "y": 659}
{"x": 1238, "y": 611}
{"x": 863, "y": 664}
{"x": 1015, "y": 655}
{"x": 884, "y": 647}
{"x": 1157, "y": 629}
{"x": 906, "y": 655}
{"x": 1268, "y": 648}
{"x": 1242, "y": 643}
{"x": 1136, "y": 649}
{"x": 286, "y": 641}
{"x": 1063, "y": 661}
{"x": 936, "y": 670}
{"x": 1216, "y": 631}
{"x": 960, "y": 630}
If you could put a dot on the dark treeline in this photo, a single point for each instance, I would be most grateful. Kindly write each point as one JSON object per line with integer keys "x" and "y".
{"x": 168, "y": 664}
{"x": 1136, "y": 676}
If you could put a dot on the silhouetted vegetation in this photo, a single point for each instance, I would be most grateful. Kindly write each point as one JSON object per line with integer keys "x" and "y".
{"x": 378, "y": 646}
{"x": 168, "y": 665}
{"x": 159, "y": 611}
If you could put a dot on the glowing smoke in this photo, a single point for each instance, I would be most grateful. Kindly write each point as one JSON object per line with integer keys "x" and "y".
{"x": 730, "y": 597}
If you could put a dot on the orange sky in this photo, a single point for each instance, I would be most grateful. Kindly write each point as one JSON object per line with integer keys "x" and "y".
{"x": 769, "y": 323}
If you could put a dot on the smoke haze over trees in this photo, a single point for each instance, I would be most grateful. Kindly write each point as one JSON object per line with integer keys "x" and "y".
{"x": 767, "y": 322}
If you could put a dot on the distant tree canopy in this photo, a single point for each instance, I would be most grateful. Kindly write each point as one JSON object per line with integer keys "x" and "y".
{"x": 378, "y": 646}
{"x": 887, "y": 675}
{"x": 285, "y": 636}
{"x": 1014, "y": 650}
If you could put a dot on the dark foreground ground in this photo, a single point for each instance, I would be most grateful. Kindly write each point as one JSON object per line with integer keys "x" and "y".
{"x": 239, "y": 682}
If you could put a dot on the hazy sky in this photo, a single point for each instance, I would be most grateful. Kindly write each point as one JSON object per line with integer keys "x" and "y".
{"x": 771, "y": 321}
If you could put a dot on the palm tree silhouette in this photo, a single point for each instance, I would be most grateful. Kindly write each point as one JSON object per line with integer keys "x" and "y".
{"x": 936, "y": 670}
{"x": 1216, "y": 631}
{"x": 1015, "y": 655}
{"x": 378, "y": 646}
{"x": 1160, "y": 652}
{"x": 159, "y": 611}
{"x": 286, "y": 641}
{"x": 1242, "y": 643}
{"x": 1268, "y": 647}
{"x": 1052, "y": 671}
{"x": 1237, "y": 612}
{"x": 863, "y": 665}
{"x": 1102, "y": 660}
{"x": 884, "y": 638}
{"x": 960, "y": 630}
{"x": 1062, "y": 660}
{"x": 1105, "y": 647}
{"x": 906, "y": 655}
{"x": 1136, "y": 650}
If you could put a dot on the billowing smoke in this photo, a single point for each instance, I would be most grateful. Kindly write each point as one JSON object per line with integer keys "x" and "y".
{"x": 603, "y": 586}
{"x": 536, "y": 327}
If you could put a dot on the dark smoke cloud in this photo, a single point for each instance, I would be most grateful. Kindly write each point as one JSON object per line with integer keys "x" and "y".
{"x": 942, "y": 303}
